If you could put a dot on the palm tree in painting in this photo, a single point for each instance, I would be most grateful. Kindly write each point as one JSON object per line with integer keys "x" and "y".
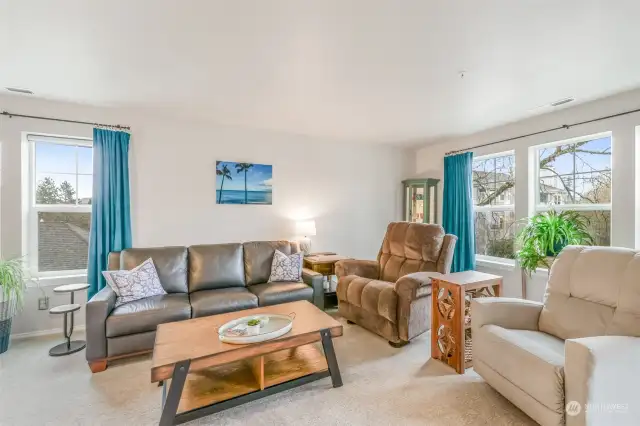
{"x": 244, "y": 167}
{"x": 225, "y": 173}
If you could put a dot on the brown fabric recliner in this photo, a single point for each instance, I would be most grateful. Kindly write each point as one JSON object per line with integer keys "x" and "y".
{"x": 392, "y": 295}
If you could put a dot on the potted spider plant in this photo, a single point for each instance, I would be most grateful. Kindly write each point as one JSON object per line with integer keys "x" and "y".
{"x": 12, "y": 289}
{"x": 546, "y": 234}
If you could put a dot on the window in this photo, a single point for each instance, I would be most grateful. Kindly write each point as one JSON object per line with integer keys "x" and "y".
{"x": 576, "y": 175}
{"x": 59, "y": 216}
{"x": 493, "y": 203}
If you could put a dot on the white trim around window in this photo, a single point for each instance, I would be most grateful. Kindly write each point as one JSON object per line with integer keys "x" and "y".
{"x": 33, "y": 209}
{"x": 538, "y": 206}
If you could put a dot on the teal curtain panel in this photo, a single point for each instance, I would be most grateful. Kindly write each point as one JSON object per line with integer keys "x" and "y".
{"x": 457, "y": 205}
{"x": 110, "y": 204}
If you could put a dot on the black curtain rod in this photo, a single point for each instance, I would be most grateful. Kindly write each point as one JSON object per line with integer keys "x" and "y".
{"x": 117, "y": 126}
{"x": 564, "y": 126}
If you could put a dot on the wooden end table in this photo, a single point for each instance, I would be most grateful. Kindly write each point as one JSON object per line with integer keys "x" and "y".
{"x": 324, "y": 264}
{"x": 208, "y": 376}
{"x": 451, "y": 315}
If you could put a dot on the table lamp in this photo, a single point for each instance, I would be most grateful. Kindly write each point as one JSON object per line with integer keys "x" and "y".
{"x": 306, "y": 228}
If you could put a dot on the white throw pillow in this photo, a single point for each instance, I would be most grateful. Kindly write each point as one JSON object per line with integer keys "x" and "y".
{"x": 286, "y": 268}
{"x": 138, "y": 283}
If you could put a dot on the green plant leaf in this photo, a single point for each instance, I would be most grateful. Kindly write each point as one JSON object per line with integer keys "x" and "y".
{"x": 546, "y": 234}
{"x": 13, "y": 280}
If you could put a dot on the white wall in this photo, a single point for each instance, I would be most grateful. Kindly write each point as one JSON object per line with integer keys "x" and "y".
{"x": 351, "y": 190}
{"x": 625, "y": 211}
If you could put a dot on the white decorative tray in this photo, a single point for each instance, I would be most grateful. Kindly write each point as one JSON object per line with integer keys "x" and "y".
{"x": 271, "y": 326}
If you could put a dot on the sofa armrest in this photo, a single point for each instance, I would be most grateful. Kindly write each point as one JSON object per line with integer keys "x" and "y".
{"x": 518, "y": 314}
{"x": 601, "y": 374}
{"x": 98, "y": 309}
{"x": 361, "y": 268}
{"x": 413, "y": 286}
{"x": 315, "y": 280}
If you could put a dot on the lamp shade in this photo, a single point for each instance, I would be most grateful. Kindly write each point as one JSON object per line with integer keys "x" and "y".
{"x": 306, "y": 228}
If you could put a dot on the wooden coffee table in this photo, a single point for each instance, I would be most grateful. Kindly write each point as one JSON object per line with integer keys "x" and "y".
{"x": 208, "y": 376}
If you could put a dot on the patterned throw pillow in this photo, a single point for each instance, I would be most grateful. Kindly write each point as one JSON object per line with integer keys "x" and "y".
{"x": 138, "y": 283}
{"x": 286, "y": 268}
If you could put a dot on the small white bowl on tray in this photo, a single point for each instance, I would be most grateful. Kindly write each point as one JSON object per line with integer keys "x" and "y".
{"x": 272, "y": 326}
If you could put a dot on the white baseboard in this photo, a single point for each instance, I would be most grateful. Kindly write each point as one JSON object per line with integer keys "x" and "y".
{"x": 40, "y": 333}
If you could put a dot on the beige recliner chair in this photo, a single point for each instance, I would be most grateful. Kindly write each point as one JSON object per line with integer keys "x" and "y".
{"x": 391, "y": 296}
{"x": 574, "y": 359}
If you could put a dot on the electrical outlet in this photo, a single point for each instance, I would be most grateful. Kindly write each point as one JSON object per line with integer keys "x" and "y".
{"x": 43, "y": 303}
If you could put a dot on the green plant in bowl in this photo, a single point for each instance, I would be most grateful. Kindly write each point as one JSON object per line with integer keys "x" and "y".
{"x": 253, "y": 322}
{"x": 546, "y": 234}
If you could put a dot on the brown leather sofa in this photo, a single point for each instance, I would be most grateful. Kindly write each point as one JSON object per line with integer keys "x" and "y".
{"x": 391, "y": 296}
{"x": 200, "y": 281}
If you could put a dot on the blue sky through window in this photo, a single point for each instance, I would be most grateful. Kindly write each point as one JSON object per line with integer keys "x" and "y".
{"x": 58, "y": 162}
{"x": 585, "y": 161}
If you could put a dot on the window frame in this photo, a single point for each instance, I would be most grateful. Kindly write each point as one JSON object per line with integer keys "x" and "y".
{"x": 582, "y": 207}
{"x": 34, "y": 209}
{"x": 482, "y": 258}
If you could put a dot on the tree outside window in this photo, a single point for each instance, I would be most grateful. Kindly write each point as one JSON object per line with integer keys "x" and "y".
{"x": 577, "y": 176}
{"x": 494, "y": 203}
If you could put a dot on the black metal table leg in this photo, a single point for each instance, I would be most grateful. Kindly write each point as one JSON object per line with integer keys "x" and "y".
{"x": 170, "y": 406}
{"x": 330, "y": 354}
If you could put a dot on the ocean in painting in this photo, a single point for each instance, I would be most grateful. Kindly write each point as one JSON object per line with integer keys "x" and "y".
{"x": 243, "y": 183}
{"x": 237, "y": 197}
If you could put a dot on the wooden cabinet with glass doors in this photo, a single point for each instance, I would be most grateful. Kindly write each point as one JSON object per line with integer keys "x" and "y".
{"x": 421, "y": 200}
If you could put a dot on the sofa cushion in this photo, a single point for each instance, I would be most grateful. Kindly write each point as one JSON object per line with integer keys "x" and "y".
{"x": 281, "y": 292}
{"x": 375, "y": 296}
{"x": 215, "y": 266}
{"x": 145, "y": 314}
{"x": 593, "y": 291}
{"x": 531, "y": 360}
{"x": 258, "y": 256}
{"x": 170, "y": 262}
{"x": 219, "y": 301}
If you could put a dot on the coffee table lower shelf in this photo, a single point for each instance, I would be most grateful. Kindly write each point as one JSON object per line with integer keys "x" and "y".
{"x": 219, "y": 388}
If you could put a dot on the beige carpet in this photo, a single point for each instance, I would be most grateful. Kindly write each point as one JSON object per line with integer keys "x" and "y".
{"x": 382, "y": 386}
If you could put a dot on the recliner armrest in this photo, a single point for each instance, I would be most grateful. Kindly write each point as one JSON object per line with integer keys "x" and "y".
{"x": 315, "y": 280}
{"x": 601, "y": 374}
{"x": 518, "y": 314}
{"x": 446, "y": 254}
{"x": 413, "y": 286}
{"x": 97, "y": 310}
{"x": 361, "y": 268}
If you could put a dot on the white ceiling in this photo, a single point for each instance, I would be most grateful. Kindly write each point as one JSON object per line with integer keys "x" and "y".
{"x": 361, "y": 70}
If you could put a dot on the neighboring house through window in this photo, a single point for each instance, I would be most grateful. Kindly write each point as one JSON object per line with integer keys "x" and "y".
{"x": 576, "y": 175}
{"x": 493, "y": 202}
{"x": 59, "y": 216}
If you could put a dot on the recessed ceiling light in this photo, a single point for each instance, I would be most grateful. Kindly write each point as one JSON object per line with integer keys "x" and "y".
{"x": 562, "y": 102}
{"x": 18, "y": 90}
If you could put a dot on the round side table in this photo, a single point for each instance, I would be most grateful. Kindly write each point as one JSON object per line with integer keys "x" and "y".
{"x": 69, "y": 346}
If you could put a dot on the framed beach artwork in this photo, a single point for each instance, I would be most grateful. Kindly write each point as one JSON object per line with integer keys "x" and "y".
{"x": 243, "y": 183}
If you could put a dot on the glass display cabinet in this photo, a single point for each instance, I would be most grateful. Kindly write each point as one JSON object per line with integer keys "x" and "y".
{"x": 421, "y": 200}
